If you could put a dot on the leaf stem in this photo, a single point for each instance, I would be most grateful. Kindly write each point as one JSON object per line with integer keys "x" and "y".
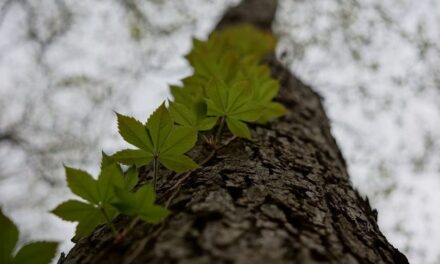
{"x": 109, "y": 222}
{"x": 155, "y": 171}
{"x": 219, "y": 130}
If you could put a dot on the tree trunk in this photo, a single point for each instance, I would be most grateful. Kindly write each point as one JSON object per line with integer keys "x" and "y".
{"x": 285, "y": 197}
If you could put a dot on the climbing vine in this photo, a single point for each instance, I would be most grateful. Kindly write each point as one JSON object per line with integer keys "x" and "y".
{"x": 229, "y": 89}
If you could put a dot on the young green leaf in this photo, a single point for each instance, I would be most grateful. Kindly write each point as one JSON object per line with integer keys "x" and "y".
{"x": 110, "y": 176}
{"x": 235, "y": 103}
{"x": 106, "y": 160}
{"x": 265, "y": 89}
{"x": 270, "y": 111}
{"x": 98, "y": 195}
{"x": 136, "y": 157}
{"x": 168, "y": 141}
{"x": 253, "y": 42}
{"x": 192, "y": 115}
{"x": 134, "y": 132}
{"x": 36, "y": 252}
{"x": 130, "y": 178}
{"x": 82, "y": 184}
{"x": 87, "y": 215}
{"x": 140, "y": 203}
{"x": 238, "y": 128}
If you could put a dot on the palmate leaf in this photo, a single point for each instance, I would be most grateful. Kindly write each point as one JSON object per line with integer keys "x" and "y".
{"x": 192, "y": 115}
{"x": 97, "y": 193}
{"x": 223, "y": 67}
{"x": 140, "y": 203}
{"x": 168, "y": 142}
{"x": 265, "y": 89}
{"x": 238, "y": 128}
{"x": 224, "y": 58}
{"x": 252, "y": 42}
{"x": 131, "y": 178}
{"x": 36, "y": 252}
{"x": 234, "y": 102}
{"x": 87, "y": 215}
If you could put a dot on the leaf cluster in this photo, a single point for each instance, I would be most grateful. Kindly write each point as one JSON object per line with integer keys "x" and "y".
{"x": 229, "y": 82}
{"x": 102, "y": 198}
{"x": 36, "y": 252}
{"x": 229, "y": 87}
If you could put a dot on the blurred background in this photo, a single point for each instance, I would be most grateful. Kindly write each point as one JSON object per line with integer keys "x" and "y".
{"x": 66, "y": 65}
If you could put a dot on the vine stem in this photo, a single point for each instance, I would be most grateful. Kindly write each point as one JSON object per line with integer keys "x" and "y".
{"x": 109, "y": 222}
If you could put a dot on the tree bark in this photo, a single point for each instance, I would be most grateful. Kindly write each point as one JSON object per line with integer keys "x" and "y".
{"x": 284, "y": 197}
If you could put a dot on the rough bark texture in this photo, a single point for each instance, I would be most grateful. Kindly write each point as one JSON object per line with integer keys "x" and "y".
{"x": 285, "y": 197}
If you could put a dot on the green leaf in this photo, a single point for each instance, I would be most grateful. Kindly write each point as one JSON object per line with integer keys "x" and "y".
{"x": 168, "y": 139}
{"x": 108, "y": 178}
{"x": 160, "y": 125}
{"x": 73, "y": 210}
{"x": 234, "y": 84}
{"x": 98, "y": 194}
{"x": 134, "y": 132}
{"x": 88, "y": 216}
{"x": 271, "y": 111}
{"x": 90, "y": 221}
{"x": 130, "y": 203}
{"x": 8, "y": 238}
{"x": 235, "y": 103}
{"x": 248, "y": 112}
{"x": 106, "y": 160}
{"x": 36, "y": 253}
{"x": 130, "y": 179}
{"x": 178, "y": 163}
{"x": 136, "y": 157}
{"x": 217, "y": 95}
{"x": 140, "y": 203}
{"x": 82, "y": 184}
{"x": 155, "y": 214}
{"x": 183, "y": 115}
{"x": 238, "y": 128}
{"x": 181, "y": 140}
{"x": 253, "y": 42}
{"x": 191, "y": 90}
{"x": 192, "y": 114}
